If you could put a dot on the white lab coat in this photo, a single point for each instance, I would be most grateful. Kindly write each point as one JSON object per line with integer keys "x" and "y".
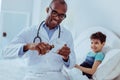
{"x": 42, "y": 67}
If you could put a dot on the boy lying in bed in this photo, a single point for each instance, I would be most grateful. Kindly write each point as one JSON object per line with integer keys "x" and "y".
{"x": 95, "y": 57}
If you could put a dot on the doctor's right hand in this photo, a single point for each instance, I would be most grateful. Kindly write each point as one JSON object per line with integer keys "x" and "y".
{"x": 42, "y": 47}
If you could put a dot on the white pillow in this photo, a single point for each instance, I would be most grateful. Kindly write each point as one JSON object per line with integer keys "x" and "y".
{"x": 109, "y": 69}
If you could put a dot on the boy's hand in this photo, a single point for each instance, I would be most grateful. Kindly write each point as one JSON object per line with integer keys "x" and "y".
{"x": 76, "y": 66}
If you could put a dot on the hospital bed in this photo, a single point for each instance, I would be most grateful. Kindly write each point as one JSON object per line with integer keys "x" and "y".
{"x": 109, "y": 68}
{"x": 14, "y": 69}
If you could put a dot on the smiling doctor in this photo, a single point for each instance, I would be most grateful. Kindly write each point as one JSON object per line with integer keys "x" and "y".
{"x": 48, "y": 47}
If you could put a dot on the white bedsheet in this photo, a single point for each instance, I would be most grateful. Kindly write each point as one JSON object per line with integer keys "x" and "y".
{"x": 75, "y": 74}
{"x": 12, "y": 69}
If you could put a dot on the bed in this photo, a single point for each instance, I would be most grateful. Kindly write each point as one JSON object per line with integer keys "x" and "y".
{"x": 109, "y": 68}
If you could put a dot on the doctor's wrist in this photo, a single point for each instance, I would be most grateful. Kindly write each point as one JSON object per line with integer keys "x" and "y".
{"x": 25, "y": 48}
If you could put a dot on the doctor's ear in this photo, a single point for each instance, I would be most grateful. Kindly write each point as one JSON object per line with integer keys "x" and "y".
{"x": 47, "y": 9}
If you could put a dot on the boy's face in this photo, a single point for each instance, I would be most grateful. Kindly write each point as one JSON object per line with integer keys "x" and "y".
{"x": 96, "y": 45}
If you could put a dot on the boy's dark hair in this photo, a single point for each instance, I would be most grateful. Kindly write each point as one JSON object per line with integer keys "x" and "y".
{"x": 99, "y": 35}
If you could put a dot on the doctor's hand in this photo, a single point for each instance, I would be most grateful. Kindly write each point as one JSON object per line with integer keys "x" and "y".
{"x": 64, "y": 52}
{"x": 42, "y": 47}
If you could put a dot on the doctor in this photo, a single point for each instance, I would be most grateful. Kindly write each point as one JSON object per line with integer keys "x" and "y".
{"x": 45, "y": 62}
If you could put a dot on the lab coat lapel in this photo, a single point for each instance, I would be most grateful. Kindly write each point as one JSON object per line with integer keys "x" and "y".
{"x": 43, "y": 34}
{"x": 55, "y": 35}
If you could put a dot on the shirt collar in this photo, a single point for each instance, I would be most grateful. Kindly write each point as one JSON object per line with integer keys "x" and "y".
{"x": 47, "y": 28}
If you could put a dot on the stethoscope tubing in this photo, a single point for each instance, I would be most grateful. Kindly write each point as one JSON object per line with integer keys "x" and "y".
{"x": 39, "y": 30}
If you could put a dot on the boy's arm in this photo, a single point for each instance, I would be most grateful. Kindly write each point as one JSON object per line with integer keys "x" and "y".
{"x": 89, "y": 70}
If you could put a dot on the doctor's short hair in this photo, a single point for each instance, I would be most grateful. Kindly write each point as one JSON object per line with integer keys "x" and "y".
{"x": 99, "y": 35}
{"x": 60, "y": 1}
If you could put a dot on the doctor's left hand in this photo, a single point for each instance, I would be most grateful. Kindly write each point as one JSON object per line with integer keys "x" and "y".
{"x": 64, "y": 52}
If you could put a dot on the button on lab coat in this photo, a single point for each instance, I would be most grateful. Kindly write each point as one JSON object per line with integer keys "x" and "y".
{"x": 42, "y": 67}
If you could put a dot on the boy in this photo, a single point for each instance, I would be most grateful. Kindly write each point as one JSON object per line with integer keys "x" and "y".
{"x": 95, "y": 57}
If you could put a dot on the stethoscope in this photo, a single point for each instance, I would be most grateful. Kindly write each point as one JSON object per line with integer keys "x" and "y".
{"x": 38, "y": 37}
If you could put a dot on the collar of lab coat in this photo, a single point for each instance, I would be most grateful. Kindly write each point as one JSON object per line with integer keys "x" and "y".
{"x": 43, "y": 34}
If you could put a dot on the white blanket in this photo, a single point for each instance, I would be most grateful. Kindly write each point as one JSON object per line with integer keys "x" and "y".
{"x": 12, "y": 69}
